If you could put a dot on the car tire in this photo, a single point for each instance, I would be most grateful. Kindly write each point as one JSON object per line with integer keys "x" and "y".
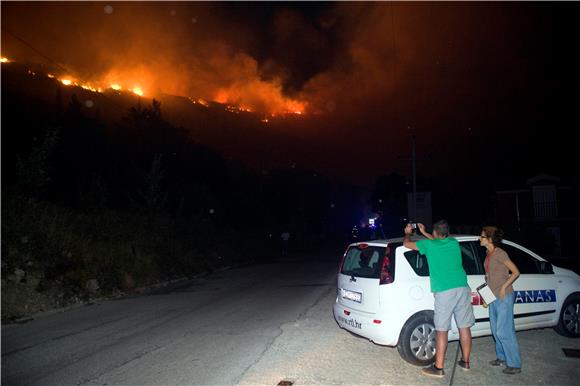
{"x": 569, "y": 322}
{"x": 417, "y": 340}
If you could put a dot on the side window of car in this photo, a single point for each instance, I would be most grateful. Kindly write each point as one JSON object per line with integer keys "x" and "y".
{"x": 525, "y": 262}
{"x": 481, "y": 253}
{"x": 418, "y": 262}
{"x": 470, "y": 257}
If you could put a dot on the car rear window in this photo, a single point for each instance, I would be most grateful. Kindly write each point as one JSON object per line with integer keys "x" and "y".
{"x": 363, "y": 261}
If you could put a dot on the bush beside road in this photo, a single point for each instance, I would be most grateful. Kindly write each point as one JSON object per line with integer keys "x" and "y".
{"x": 55, "y": 257}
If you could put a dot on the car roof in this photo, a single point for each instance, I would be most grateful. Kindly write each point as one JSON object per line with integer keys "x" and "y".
{"x": 459, "y": 237}
{"x": 413, "y": 238}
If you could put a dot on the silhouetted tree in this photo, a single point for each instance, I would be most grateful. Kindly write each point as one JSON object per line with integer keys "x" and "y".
{"x": 153, "y": 196}
{"x": 33, "y": 170}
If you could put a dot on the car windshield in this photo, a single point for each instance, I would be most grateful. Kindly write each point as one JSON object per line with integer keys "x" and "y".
{"x": 363, "y": 262}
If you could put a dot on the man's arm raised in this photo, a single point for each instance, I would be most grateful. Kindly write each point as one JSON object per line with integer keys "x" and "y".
{"x": 424, "y": 231}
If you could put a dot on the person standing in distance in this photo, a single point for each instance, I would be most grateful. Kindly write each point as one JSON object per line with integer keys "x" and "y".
{"x": 501, "y": 311}
{"x": 450, "y": 290}
{"x": 285, "y": 237}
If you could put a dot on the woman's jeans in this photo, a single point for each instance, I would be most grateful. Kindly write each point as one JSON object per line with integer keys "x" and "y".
{"x": 501, "y": 320}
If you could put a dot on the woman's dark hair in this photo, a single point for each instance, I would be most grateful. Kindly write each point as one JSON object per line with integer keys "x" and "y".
{"x": 494, "y": 234}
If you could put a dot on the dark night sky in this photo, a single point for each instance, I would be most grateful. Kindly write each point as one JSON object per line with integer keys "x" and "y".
{"x": 489, "y": 89}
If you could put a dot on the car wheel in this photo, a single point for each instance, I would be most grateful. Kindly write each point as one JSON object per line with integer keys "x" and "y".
{"x": 417, "y": 340}
{"x": 569, "y": 323}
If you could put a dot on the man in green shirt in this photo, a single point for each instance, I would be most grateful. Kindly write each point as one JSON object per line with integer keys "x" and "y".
{"x": 450, "y": 290}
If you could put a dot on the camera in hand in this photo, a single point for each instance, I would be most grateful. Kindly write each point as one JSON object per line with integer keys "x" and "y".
{"x": 414, "y": 225}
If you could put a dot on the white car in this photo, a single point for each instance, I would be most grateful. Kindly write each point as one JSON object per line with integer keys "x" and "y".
{"x": 384, "y": 295}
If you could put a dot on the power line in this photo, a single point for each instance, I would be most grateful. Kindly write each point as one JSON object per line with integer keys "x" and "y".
{"x": 35, "y": 50}
{"x": 62, "y": 68}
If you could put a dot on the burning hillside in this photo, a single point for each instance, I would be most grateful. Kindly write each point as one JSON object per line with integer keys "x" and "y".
{"x": 264, "y": 99}
{"x": 249, "y": 94}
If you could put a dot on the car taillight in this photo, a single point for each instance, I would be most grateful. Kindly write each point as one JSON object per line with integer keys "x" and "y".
{"x": 386, "y": 277}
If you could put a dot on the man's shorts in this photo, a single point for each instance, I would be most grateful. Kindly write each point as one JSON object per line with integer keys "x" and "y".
{"x": 456, "y": 302}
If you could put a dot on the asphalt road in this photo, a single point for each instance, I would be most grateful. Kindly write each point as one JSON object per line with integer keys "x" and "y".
{"x": 256, "y": 325}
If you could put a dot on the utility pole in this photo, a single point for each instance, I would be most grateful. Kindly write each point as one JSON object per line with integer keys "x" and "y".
{"x": 413, "y": 159}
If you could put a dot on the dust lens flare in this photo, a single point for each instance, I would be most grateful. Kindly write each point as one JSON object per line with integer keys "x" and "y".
{"x": 4, "y": 60}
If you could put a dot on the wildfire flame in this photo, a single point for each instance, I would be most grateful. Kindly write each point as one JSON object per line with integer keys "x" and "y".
{"x": 71, "y": 82}
{"x": 265, "y": 95}
{"x": 203, "y": 102}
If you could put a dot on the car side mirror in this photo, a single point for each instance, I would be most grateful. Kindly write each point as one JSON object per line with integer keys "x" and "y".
{"x": 546, "y": 267}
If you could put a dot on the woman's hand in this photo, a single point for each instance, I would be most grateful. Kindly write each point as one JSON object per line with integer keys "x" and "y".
{"x": 502, "y": 293}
